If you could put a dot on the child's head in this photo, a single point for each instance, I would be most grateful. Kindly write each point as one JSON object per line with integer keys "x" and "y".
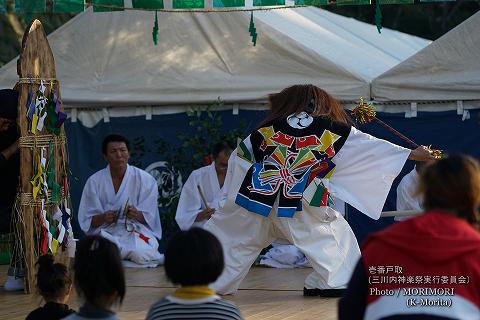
{"x": 99, "y": 275}
{"x": 193, "y": 257}
{"x": 53, "y": 279}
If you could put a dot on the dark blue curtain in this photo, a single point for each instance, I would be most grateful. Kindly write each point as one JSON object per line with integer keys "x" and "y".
{"x": 443, "y": 130}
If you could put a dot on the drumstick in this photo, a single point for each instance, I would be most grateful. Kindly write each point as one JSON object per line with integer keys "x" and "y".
{"x": 203, "y": 198}
{"x": 400, "y": 213}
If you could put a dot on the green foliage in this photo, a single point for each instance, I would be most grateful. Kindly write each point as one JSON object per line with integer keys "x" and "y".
{"x": 426, "y": 20}
{"x": 138, "y": 150}
{"x": 196, "y": 147}
{"x": 167, "y": 218}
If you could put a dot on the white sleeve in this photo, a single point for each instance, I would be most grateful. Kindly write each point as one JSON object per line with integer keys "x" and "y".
{"x": 365, "y": 169}
{"x": 148, "y": 204}
{"x": 90, "y": 205}
{"x": 189, "y": 204}
{"x": 406, "y": 197}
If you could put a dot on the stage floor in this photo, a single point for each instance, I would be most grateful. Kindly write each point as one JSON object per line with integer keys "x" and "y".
{"x": 266, "y": 293}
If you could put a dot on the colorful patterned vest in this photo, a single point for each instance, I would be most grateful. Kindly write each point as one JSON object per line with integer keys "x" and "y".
{"x": 287, "y": 155}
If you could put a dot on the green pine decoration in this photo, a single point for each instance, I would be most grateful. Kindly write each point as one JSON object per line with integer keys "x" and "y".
{"x": 378, "y": 17}
{"x": 29, "y": 6}
{"x": 253, "y": 30}
{"x": 110, "y": 5}
{"x": 155, "y": 29}
{"x": 68, "y": 6}
{"x": 228, "y": 3}
{"x": 266, "y": 3}
{"x": 188, "y": 4}
{"x": 148, "y": 4}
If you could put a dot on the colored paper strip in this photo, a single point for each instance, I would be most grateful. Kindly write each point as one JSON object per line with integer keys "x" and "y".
{"x": 107, "y": 5}
{"x": 228, "y": 3}
{"x": 68, "y": 6}
{"x": 188, "y": 4}
{"x": 148, "y": 4}
{"x": 267, "y": 3}
{"x": 29, "y": 6}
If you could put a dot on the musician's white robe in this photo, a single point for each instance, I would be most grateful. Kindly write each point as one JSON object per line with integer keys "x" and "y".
{"x": 140, "y": 190}
{"x": 407, "y": 198}
{"x": 365, "y": 169}
{"x": 190, "y": 202}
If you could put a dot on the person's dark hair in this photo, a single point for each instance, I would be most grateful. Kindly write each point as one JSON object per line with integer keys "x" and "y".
{"x": 98, "y": 270}
{"x": 452, "y": 184}
{"x": 221, "y": 146}
{"x": 114, "y": 138}
{"x": 309, "y": 98}
{"x": 53, "y": 279}
{"x": 193, "y": 257}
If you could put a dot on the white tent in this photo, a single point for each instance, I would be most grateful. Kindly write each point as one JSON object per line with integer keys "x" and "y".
{"x": 109, "y": 60}
{"x": 447, "y": 69}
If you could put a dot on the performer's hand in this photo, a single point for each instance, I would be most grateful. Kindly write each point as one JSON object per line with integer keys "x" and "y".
{"x": 205, "y": 214}
{"x": 422, "y": 153}
{"x": 109, "y": 217}
{"x": 134, "y": 214}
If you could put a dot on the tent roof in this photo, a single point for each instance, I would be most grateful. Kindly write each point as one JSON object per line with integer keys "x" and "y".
{"x": 447, "y": 69}
{"x": 108, "y": 59}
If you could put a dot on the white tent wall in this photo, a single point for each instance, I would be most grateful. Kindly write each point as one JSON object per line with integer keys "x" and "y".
{"x": 89, "y": 117}
{"x": 446, "y": 70}
{"x": 108, "y": 60}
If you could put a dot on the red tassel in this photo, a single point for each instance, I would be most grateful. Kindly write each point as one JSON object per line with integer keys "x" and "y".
{"x": 143, "y": 237}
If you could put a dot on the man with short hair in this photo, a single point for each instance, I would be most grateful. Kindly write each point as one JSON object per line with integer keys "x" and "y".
{"x": 119, "y": 202}
{"x": 191, "y": 210}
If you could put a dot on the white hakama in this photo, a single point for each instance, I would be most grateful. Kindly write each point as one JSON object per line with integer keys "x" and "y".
{"x": 137, "y": 241}
{"x": 364, "y": 172}
{"x": 190, "y": 203}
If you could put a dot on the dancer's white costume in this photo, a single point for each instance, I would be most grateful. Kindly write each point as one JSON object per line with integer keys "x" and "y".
{"x": 278, "y": 185}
